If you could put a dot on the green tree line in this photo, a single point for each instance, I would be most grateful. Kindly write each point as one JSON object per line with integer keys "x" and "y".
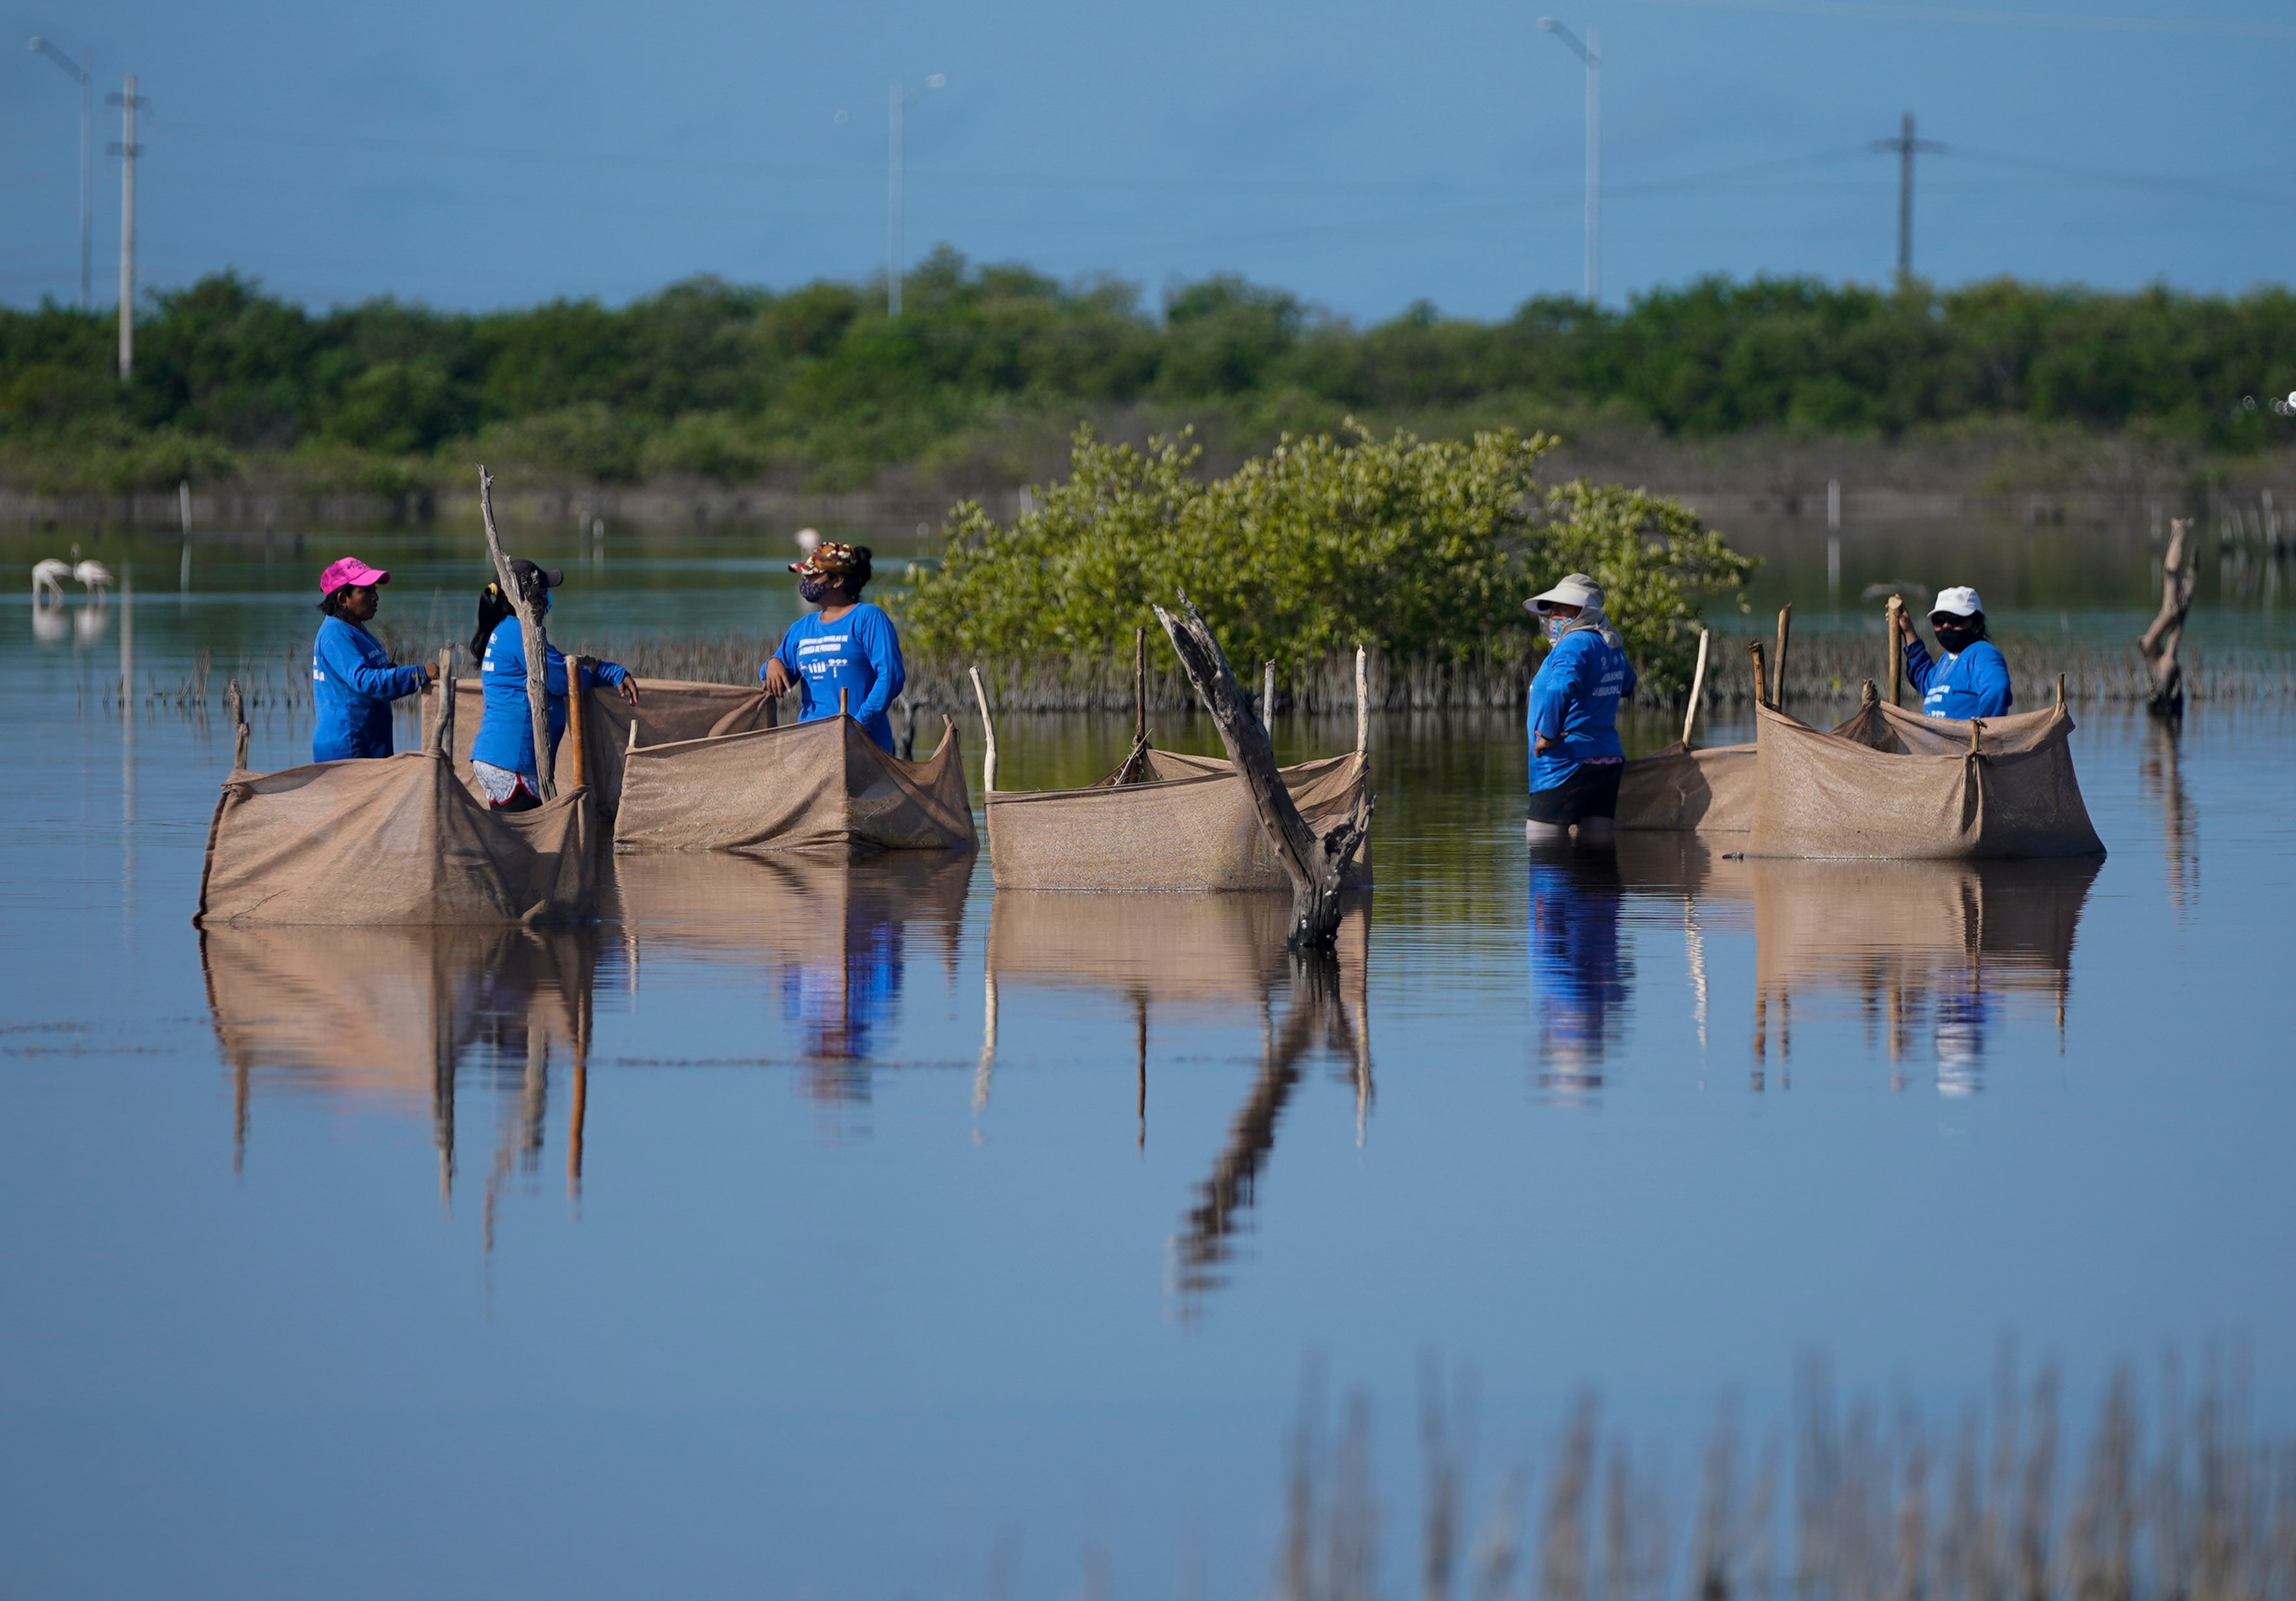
{"x": 715, "y": 380}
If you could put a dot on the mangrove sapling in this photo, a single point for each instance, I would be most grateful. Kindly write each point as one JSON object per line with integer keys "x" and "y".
{"x": 1317, "y": 867}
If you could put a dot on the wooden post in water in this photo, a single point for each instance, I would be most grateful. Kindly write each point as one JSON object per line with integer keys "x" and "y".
{"x": 442, "y": 728}
{"x": 1317, "y": 867}
{"x": 1761, "y": 673}
{"x": 1363, "y": 705}
{"x": 2158, "y": 645}
{"x": 1778, "y": 667}
{"x": 1697, "y": 685}
{"x": 238, "y": 726}
{"x": 536, "y": 643}
{"x": 1894, "y": 648}
{"x": 1139, "y": 686}
{"x": 987, "y": 736}
{"x": 576, "y": 717}
{"x": 844, "y": 702}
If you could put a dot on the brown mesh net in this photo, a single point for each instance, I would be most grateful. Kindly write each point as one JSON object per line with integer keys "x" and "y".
{"x": 1892, "y": 783}
{"x": 819, "y": 785}
{"x": 670, "y": 712}
{"x": 397, "y": 840}
{"x": 1710, "y": 791}
{"x": 1191, "y": 826}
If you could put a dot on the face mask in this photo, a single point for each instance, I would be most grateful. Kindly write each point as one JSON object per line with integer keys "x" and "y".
{"x": 1553, "y": 626}
{"x": 1955, "y": 637}
{"x": 811, "y": 590}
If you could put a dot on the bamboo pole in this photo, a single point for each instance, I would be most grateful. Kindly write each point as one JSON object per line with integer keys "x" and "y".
{"x": 1761, "y": 673}
{"x": 575, "y": 717}
{"x": 1697, "y": 684}
{"x": 535, "y": 642}
{"x": 987, "y": 736}
{"x": 1778, "y": 667}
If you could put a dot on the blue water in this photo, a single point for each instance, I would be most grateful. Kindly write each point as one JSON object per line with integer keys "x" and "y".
{"x": 850, "y": 1298}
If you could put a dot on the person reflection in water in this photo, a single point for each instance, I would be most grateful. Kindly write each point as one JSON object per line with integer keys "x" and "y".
{"x": 1964, "y": 1019}
{"x": 1580, "y": 976}
{"x": 838, "y": 1007}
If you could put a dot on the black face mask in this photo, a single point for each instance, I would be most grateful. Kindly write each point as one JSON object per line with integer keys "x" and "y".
{"x": 1955, "y": 637}
{"x": 811, "y": 590}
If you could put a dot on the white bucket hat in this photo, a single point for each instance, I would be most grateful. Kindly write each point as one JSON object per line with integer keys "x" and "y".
{"x": 1576, "y": 588}
{"x": 1961, "y": 602}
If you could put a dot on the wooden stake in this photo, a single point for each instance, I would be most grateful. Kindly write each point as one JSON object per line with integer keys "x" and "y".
{"x": 1976, "y": 732}
{"x": 239, "y": 726}
{"x": 1267, "y": 694}
{"x": 987, "y": 736}
{"x": 1761, "y": 673}
{"x": 1697, "y": 684}
{"x": 1894, "y": 648}
{"x": 1778, "y": 667}
{"x": 844, "y": 702}
{"x": 442, "y": 730}
{"x": 1363, "y": 705}
{"x": 2061, "y": 692}
{"x": 1139, "y": 686}
{"x": 1317, "y": 867}
{"x": 575, "y": 718}
{"x": 531, "y": 638}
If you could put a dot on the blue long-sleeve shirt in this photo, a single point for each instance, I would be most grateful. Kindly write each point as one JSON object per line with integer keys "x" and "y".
{"x": 858, "y": 653}
{"x": 1971, "y": 683}
{"x": 507, "y": 726}
{"x": 352, "y": 686}
{"x": 1574, "y": 699}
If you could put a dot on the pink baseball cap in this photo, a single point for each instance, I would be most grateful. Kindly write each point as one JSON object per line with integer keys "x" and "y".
{"x": 350, "y": 569}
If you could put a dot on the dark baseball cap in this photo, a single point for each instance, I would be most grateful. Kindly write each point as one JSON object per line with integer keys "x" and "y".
{"x": 522, "y": 569}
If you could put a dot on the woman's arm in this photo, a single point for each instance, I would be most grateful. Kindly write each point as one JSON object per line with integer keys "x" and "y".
{"x": 884, "y": 650}
{"x": 1988, "y": 681}
{"x": 614, "y": 676}
{"x": 376, "y": 679}
{"x": 1918, "y": 665}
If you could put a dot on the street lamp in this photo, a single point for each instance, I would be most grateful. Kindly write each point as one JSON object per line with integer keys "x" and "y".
{"x": 80, "y": 75}
{"x": 1590, "y": 52}
{"x": 896, "y": 98}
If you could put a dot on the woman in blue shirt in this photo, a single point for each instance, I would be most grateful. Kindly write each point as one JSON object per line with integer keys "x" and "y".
{"x": 502, "y": 756}
{"x": 848, "y": 645}
{"x": 1970, "y": 678}
{"x": 1576, "y": 760}
{"x": 353, "y": 682}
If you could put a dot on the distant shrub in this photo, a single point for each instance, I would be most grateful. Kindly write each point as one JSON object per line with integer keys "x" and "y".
{"x": 1426, "y": 549}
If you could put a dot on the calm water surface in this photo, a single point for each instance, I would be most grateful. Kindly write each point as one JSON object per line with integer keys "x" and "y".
{"x": 909, "y": 1223}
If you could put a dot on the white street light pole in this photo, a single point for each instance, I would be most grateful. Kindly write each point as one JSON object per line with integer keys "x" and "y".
{"x": 81, "y": 75}
{"x": 127, "y": 150}
{"x": 895, "y": 99}
{"x": 1590, "y": 52}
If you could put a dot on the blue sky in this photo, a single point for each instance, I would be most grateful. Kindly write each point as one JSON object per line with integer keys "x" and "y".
{"x": 1365, "y": 156}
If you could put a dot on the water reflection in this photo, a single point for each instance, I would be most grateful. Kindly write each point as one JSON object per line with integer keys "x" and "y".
{"x": 832, "y": 936}
{"x": 397, "y": 1015}
{"x": 1934, "y": 954}
{"x": 2163, "y": 782}
{"x": 1581, "y": 978}
{"x": 1216, "y": 958}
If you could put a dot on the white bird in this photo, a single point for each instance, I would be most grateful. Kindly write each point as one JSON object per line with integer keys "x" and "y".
{"x": 48, "y": 580}
{"x": 92, "y": 575}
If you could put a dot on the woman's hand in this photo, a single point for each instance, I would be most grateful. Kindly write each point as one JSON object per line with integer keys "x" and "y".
{"x": 777, "y": 679}
{"x": 1906, "y": 626}
{"x": 430, "y": 672}
{"x": 1541, "y": 744}
{"x": 629, "y": 689}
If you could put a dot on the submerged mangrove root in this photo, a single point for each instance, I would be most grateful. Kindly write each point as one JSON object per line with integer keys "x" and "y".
{"x": 1317, "y": 867}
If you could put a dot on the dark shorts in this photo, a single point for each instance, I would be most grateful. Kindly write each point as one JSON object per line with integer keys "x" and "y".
{"x": 1592, "y": 791}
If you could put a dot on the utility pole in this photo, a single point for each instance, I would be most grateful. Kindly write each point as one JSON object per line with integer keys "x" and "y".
{"x": 1905, "y": 146}
{"x": 1591, "y": 54}
{"x": 82, "y": 74}
{"x": 127, "y": 150}
{"x": 896, "y": 98}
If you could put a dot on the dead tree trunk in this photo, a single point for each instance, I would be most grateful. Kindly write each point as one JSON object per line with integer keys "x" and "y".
{"x": 2158, "y": 646}
{"x": 535, "y": 642}
{"x": 1315, "y": 867}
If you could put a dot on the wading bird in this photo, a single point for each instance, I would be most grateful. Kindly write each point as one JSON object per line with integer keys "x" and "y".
{"x": 48, "y": 580}
{"x": 94, "y": 576}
